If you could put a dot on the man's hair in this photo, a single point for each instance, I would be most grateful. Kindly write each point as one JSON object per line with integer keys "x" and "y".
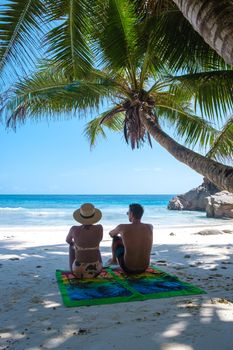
{"x": 137, "y": 210}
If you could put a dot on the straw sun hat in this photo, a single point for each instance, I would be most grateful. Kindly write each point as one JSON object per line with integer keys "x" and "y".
{"x": 87, "y": 214}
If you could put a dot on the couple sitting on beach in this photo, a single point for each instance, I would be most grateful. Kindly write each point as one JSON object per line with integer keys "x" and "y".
{"x": 131, "y": 245}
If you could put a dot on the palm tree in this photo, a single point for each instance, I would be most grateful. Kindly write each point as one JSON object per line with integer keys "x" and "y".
{"x": 136, "y": 74}
{"x": 213, "y": 21}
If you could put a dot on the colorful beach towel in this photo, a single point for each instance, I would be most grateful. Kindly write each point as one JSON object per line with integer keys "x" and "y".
{"x": 114, "y": 286}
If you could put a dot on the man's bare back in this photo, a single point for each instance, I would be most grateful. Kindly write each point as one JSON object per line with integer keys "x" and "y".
{"x": 137, "y": 239}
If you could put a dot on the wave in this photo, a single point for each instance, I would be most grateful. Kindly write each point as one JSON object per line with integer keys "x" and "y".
{"x": 30, "y": 211}
{"x": 47, "y": 213}
{"x": 11, "y": 209}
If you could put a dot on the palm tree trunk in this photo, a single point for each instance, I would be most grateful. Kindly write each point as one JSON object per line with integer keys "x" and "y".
{"x": 212, "y": 19}
{"x": 219, "y": 174}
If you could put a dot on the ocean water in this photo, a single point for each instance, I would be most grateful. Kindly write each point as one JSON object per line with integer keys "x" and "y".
{"x": 56, "y": 210}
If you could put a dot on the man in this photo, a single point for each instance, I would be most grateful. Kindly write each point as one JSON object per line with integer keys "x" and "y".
{"x": 132, "y": 249}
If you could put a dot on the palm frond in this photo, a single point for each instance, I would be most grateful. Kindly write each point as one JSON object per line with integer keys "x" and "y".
{"x": 222, "y": 146}
{"x": 149, "y": 8}
{"x": 179, "y": 46}
{"x": 115, "y": 35}
{"x": 187, "y": 126}
{"x": 113, "y": 78}
{"x": 68, "y": 41}
{"x": 212, "y": 91}
{"x": 151, "y": 66}
{"x": 108, "y": 115}
{"x": 49, "y": 95}
{"x": 20, "y": 23}
{"x": 111, "y": 119}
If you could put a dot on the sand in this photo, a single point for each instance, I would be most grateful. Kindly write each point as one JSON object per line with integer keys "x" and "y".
{"x": 32, "y": 315}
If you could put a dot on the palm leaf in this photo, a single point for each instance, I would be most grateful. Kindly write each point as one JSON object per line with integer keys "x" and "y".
{"x": 149, "y": 8}
{"x": 67, "y": 42}
{"x": 187, "y": 126}
{"x": 212, "y": 91}
{"x": 149, "y": 59}
{"x": 178, "y": 45}
{"x": 116, "y": 39}
{"x": 109, "y": 115}
{"x": 20, "y": 23}
{"x": 116, "y": 79}
{"x": 95, "y": 127}
{"x": 47, "y": 95}
{"x": 222, "y": 146}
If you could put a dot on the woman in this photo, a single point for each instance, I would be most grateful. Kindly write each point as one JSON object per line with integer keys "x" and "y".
{"x": 84, "y": 253}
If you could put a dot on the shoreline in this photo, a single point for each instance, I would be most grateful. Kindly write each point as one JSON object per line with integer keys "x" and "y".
{"x": 32, "y": 316}
{"x": 53, "y": 234}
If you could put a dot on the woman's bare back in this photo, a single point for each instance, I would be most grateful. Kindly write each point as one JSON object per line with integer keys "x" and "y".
{"x": 87, "y": 239}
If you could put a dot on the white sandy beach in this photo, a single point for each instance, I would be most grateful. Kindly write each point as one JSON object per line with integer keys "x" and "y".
{"x": 32, "y": 315}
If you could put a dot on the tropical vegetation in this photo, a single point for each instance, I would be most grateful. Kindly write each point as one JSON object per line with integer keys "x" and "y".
{"x": 152, "y": 72}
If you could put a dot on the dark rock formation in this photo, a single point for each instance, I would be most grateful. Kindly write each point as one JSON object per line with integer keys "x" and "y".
{"x": 194, "y": 199}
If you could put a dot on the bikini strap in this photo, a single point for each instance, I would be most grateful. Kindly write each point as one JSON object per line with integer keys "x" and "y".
{"x": 85, "y": 248}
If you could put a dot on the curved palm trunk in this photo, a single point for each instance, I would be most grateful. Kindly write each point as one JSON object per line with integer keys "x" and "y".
{"x": 219, "y": 174}
{"x": 212, "y": 19}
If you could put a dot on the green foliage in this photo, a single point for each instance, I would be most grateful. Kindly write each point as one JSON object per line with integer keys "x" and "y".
{"x": 68, "y": 41}
{"x": 222, "y": 145}
{"x": 192, "y": 129}
{"x": 137, "y": 56}
{"x": 114, "y": 33}
{"x": 48, "y": 94}
{"x": 95, "y": 127}
{"x": 20, "y": 23}
{"x": 212, "y": 91}
{"x": 178, "y": 45}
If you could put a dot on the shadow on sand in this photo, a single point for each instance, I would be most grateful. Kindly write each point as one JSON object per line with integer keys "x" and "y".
{"x": 32, "y": 315}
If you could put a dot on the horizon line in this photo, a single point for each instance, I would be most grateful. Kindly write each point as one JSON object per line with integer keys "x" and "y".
{"x": 87, "y": 194}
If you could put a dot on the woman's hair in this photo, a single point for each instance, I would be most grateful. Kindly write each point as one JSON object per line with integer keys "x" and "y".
{"x": 137, "y": 210}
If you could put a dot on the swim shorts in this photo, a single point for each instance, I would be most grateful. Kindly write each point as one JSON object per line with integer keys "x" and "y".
{"x": 119, "y": 250}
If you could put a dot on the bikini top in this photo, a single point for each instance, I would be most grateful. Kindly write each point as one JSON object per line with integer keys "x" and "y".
{"x": 84, "y": 248}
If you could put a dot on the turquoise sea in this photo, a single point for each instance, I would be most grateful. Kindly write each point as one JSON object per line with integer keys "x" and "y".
{"x": 56, "y": 210}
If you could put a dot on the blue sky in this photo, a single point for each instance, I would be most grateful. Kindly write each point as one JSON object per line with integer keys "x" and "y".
{"x": 55, "y": 158}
